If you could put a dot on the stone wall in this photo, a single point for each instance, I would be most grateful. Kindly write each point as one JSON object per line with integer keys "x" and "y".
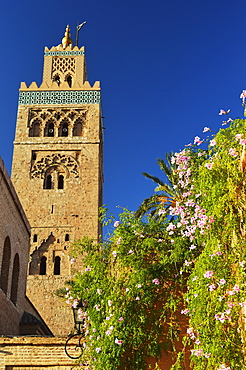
{"x": 14, "y": 252}
{"x": 34, "y": 353}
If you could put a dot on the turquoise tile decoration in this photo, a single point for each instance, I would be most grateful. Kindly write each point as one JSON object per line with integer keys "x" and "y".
{"x": 62, "y": 53}
{"x": 59, "y": 97}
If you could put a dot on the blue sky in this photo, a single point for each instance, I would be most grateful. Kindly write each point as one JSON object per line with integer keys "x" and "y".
{"x": 166, "y": 69}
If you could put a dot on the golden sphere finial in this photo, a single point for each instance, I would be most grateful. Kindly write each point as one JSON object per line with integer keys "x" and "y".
{"x": 67, "y": 39}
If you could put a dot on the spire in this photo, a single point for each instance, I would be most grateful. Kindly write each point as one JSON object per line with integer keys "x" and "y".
{"x": 67, "y": 39}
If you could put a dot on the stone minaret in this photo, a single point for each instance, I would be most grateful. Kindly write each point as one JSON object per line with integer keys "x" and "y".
{"x": 57, "y": 172}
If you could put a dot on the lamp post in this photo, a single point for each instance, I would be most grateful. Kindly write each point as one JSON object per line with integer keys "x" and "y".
{"x": 74, "y": 346}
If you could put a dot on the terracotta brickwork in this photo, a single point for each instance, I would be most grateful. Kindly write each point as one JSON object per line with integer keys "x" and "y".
{"x": 57, "y": 173}
{"x": 14, "y": 251}
{"x": 34, "y": 353}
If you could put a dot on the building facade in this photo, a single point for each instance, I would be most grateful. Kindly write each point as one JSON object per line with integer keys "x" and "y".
{"x": 57, "y": 172}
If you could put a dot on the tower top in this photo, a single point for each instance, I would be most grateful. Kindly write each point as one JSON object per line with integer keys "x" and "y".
{"x": 66, "y": 41}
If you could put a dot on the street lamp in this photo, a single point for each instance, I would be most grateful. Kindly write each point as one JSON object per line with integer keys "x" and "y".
{"x": 74, "y": 344}
{"x": 79, "y": 319}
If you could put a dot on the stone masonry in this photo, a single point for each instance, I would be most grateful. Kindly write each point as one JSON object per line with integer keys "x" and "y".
{"x": 57, "y": 173}
{"x": 14, "y": 251}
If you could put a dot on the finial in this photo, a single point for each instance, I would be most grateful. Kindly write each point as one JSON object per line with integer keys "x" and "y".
{"x": 67, "y": 39}
{"x": 78, "y": 28}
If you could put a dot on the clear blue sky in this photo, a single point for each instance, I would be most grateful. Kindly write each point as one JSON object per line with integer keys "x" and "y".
{"x": 166, "y": 69}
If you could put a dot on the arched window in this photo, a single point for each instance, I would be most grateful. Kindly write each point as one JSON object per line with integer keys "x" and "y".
{"x": 60, "y": 182}
{"x": 57, "y": 265}
{"x": 54, "y": 177}
{"x": 35, "y": 129}
{"x": 48, "y": 181}
{"x": 77, "y": 129}
{"x": 69, "y": 80}
{"x": 42, "y": 269}
{"x": 5, "y": 265}
{"x": 63, "y": 129}
{"x": 35, "y": 238}
{"x": 57, "y": 79}
{"x": 49, "y": 129}
{"x": 67, "y": 238}
{"x": 15, "y": 279}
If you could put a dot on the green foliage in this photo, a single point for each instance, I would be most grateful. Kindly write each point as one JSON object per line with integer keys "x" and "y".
{"x": 188, "y": 258}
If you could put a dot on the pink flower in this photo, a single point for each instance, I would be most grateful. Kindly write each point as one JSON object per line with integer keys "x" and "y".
{"x": 75, "y": 303}
{"x": 192, "y": 247}
{"x": 209, "y": 165}
{"x": 116, "y": 223}
{"x": 212, "y": 142}
{"x": 188, "y": 263}
{"x": 206, "y": 129}
{"x": 208, "y": 274}
{"x": 97, "y": 307}
{"x": 88, "y": 269}
{"x": 233, "y": 152}
{"x": 108, "y": 332}
{"x": 114, "y": 253}
{"x": 236, "y": 288}
{"x": 109, "y": 302}
{"x": 99, "y": 291}
{"x": 243, "y": 95}
{"x": 120, "y": 319}
{"x": 130, "y": 251}
{"x": 212, "y": 287}
{"x": 72, "y": 260}
{"x": 185, "y": 312}
{"x": 156, "y": 281}
{"x": 98, "y": 349}
{"x": 197, "y": 140}
{"x": 139, "y": 286}
{"x": 224, "y": 112}
{"x": 119, "y": 240}
{"x": 242, "y": 141}
{"x": 118, "y": 341}
{"x": 238, "y": 136}
{"x": 224, "y": 367}
{"x": 197, "y": 352}
{"x": 222, "y": 281}
{"x": 137, "y": 298}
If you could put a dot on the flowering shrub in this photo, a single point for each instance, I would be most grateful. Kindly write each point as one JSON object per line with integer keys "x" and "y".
{"x": 132, "y": 284}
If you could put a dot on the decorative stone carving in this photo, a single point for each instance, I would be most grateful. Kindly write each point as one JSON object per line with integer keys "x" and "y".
{"x": 69, "y": 164}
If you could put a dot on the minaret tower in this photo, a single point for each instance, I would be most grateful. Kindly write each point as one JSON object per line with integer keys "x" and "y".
{"x": 57, "y": 172}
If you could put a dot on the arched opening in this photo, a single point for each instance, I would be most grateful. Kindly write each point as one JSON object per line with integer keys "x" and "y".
{"x": 5, "y": 265}
{"x": 57, "y": 79}
{"x": 42, "y": 269}
{"x": 69, "y": 80}
{"x": 48, "y": 182}
{"x": 63, "y": 129}
{"x": 35, "y": 238}
{"x": 67, "y": 238}
{"x": 49, "y": 129}
{"x": 60, "y": 182}
{"x": 15, "y": 279}
{"x": 77, "y": 129}
{"x": 57, "y": 266}
{"x": 35, "y": 129}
